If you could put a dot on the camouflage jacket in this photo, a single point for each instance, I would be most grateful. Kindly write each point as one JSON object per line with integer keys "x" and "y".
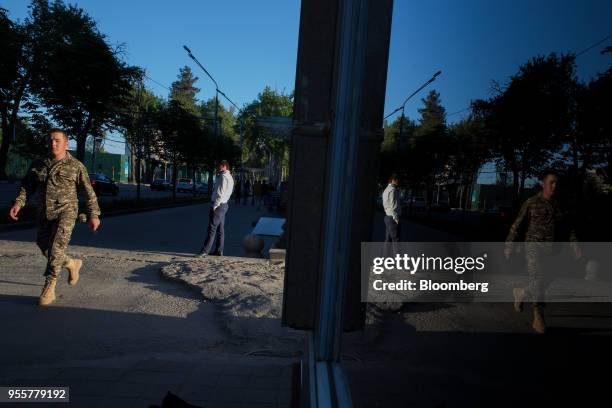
{"x": 57, "y": 185}
{"x": 544, "y": 220}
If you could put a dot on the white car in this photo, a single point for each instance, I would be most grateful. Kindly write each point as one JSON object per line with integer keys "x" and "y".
{"x": 184, "y": 185}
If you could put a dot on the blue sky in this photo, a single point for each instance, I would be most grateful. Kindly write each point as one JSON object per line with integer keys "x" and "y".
{"x": 246, "y": 45}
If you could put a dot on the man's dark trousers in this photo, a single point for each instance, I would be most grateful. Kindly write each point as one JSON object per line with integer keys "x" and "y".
{"x": 216, "y": 221}
{"x": 392, "y": 235}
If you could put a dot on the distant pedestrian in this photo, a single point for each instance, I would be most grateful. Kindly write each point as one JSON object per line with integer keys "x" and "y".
{"x": 222, "y": 191}
{"x": 392, "y": 204}
{"x": 57, "y": 181}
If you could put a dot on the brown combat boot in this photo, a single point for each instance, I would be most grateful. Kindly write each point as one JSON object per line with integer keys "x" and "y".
{"x": 539, "y": 325}
{"x": 519, "y": 296}
{"x": 48, "y": 293}
{"x": 73, "y": 266}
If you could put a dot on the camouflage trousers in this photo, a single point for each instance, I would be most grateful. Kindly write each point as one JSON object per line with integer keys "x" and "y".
{"x": 52, "y": 238}
{"x": 539, "y": 256}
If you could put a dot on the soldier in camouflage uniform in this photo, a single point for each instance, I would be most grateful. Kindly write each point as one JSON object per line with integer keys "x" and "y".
{"x": 57, "y": 180}
{"x": 542, "y": 216}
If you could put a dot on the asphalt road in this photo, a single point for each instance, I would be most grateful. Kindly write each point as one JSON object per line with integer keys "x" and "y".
{"x": 8, "y": 191}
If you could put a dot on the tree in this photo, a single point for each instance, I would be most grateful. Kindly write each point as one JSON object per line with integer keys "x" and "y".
{"x": 530, "y": 118}
{"x": 19, "y": 46}
{"x": 395, "y": 152}
{"x": 193, "y": 135}
{"x": 181, "y": 137}
{"x": 227, "y": 120}
{"x": 261, "y": 146}
{"x": 430, "y": 150}
{"x": 138, "y": 123}
{"x": 592, "y": 139}
{"x": 88, "y": 103}
{"x": 470, "y": 149}
{"x": 392, "y": 140}
{"x": 31, "y": 136}
{"x": 183, "y": 90}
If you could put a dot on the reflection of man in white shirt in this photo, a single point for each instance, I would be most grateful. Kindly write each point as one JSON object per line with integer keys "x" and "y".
{"x": 222, "y": 191}
{"x": 393, "y": 209}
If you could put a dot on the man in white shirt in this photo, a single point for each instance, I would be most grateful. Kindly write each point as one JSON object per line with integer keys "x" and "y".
{"x": 393, "y": 209}
{"x": 222, "y": 191}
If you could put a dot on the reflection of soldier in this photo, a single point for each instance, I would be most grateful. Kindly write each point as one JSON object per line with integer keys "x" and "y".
{"x": 57, "y": 179}
{"x": 543, "y": 217}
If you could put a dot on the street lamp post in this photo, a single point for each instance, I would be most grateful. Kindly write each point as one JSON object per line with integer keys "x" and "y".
{"x": 216, "y": 88}
{"x": 433, "y": 78}
{"x": 217, "y": 92}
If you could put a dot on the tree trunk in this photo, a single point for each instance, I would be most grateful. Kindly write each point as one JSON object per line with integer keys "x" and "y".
{"x": 138, "y": 176}
{"x": 80, "y": 150}
{"x": 522, "y": 187}
{"x": 515, "y": 189}
{"x": 8, "y": 125}
{"x": 194, "y": 182}
{"x": 174, "y": 166}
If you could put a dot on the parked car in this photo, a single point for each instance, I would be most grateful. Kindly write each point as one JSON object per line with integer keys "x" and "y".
{"x": 161, "y": 185}
{"x": 184, "y": 185}
{"x": 502, "y": 211}
{"x": 103, "y": 184}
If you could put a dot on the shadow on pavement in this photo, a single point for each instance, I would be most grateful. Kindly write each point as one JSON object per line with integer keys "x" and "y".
{"x": 400, "y": 366}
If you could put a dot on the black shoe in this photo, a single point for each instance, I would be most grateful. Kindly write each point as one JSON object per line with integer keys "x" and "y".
{"x": 218, "y": 253}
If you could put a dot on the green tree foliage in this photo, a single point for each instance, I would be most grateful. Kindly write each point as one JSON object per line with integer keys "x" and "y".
{"x": 531, "y": 117}
{"x": 259, "y": 144}
{"x": 183, "y": 90}
{"x": 429, "y": 152}
{"x": 81, "y": 83}
{"x": 590, "y": 143}
{"x": 19, "y": 46}
{"x": 227, "y": 118}
{"x": 138, "y": 121}
{"x": 392, "y": 141}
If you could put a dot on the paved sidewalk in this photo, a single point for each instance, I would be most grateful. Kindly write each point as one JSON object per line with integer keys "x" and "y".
{"x": 173, "y": 231}
{"x": 217, "y": 382}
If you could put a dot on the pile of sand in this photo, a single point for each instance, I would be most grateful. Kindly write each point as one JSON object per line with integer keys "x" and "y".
{"x": 248, "y": 291}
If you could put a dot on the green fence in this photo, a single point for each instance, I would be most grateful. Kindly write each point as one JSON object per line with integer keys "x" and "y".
{"x": 115, "y": 166}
